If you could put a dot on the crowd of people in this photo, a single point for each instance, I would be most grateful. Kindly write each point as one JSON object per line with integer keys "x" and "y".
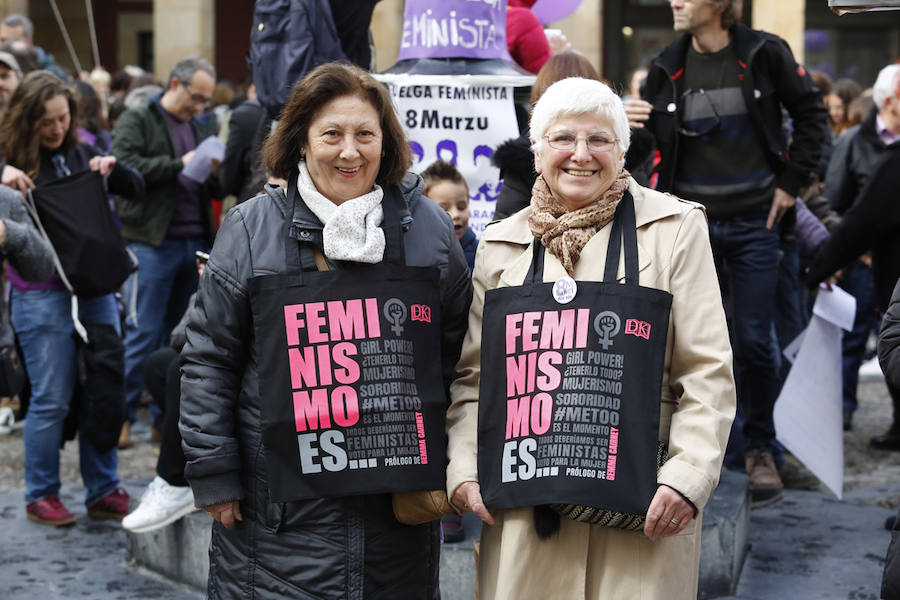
{"x": 635, "y": 203}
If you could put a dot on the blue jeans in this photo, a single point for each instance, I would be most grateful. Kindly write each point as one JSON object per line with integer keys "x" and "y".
{"x": 747, "y": 256}
{"x": 43, "y": 322}
{"x": 858, "y": 281}
{"x": 166, "y": 278}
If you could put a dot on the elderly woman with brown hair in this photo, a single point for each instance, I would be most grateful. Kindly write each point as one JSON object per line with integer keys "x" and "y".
{"x": 315, "y": 373}
{"x": 594, "y": 394}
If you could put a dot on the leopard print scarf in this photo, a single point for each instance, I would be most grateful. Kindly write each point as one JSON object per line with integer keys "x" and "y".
{"x": 563, "y": 232}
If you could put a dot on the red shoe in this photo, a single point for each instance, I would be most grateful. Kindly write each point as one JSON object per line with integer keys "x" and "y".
{"x": 49, "y": 511}
{"x": 112, "y": 506}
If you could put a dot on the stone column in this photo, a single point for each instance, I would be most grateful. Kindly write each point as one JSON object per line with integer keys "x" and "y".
{"x": 8, "y": 7}
{"x": 181, "y": 28}
{"x": 784, "y": 18}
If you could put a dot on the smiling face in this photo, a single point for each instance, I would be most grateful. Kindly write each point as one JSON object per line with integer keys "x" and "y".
{"x": 343, "y": 150}
{"x": 578, "y": 177}
{"x": 54, "y": 125}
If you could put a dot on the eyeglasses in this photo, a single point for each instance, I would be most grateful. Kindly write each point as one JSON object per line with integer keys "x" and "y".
{"x": 196, "y": 98}
{"x": 699, "y": 113}
{"x": 566, "y": 141}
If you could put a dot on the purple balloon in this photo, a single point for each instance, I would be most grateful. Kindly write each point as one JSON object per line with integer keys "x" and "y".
{"x": 550, "y": 11}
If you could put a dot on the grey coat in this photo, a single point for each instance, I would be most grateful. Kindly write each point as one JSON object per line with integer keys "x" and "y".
{"x": 24, "y": 248}
{"x": 338, "y": 548}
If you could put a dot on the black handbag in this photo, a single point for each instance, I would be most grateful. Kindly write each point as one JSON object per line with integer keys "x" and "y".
{"x": 74, "y": 213}
{"x": 12, "y": 371}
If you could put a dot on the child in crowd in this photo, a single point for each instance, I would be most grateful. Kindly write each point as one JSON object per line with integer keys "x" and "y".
{"x": 445, "y": 185}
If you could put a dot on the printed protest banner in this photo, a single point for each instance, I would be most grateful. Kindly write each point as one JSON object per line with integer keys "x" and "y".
{"x": 454, "y": 29}
{"x": 353, "y": 398}
{"x": 461, "y": 120}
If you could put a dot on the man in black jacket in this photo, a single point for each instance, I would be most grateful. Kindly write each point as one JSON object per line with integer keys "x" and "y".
{"x": 713, "y": 99}
{"x": 855, "y": 154}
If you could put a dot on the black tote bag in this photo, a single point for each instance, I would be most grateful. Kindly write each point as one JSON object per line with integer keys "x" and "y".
{"x": 75, "y": 214}
{"x": 570, "y": 386}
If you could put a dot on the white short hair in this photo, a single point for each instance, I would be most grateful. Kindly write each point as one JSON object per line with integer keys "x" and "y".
{"x": 579, "y": 96}
{"x": 886, "y": 84}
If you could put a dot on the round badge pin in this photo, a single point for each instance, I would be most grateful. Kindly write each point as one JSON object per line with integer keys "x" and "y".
{"x": 564, "y": 289}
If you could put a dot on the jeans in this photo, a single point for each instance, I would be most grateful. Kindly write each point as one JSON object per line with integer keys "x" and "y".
{"x": 166, "y": 278}
{"x": 43, "y": 321}
{"x": 747, "y": 255}
{"x": 858, "y": 281}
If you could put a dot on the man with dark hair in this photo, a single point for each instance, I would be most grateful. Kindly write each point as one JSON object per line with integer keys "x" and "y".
{"x": 713, "y": 99}
{"x": 165, "y": 227}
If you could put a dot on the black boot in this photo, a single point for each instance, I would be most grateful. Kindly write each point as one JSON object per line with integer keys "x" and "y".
{"x": 889, "y": 440}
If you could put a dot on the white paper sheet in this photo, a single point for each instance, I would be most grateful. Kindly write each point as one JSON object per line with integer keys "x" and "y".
{"x": 199, "y": 166}
{"x": 808, "y": 413}
{"x": 836, "y": 306}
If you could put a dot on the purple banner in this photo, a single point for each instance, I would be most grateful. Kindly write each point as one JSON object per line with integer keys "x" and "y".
{"x": 454, "y": 29}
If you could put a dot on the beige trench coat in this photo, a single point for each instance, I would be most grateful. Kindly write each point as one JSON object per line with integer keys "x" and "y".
{"x": 696, "y": 410}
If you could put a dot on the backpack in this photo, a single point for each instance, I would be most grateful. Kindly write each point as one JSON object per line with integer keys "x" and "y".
{"x": 288, "y": 39}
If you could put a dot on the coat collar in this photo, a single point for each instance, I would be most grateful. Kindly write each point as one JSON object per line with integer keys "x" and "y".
{"x": 746, "y": 42}
{"x": 515, "y": 230}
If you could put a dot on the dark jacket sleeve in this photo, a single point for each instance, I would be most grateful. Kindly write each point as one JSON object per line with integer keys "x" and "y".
{"x": 236, "y": 167}
{"x": 889, "y": 340}
{"x": 213, "y": 362}
{"x": 130, "y": 146}
{"x": 803, "y": 102}
{"x": 868, "y": 220}
{"x": 455, "y": 301}
{"x": 124, "y": 180}
{"x": 24, "y": 246}
{"x": 839, "y": 188}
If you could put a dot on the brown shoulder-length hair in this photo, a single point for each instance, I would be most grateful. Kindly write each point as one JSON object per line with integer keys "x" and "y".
{"x": 560, "y": 66}
{"x": 320, "y": 86}
{"x": 20, "y": 140}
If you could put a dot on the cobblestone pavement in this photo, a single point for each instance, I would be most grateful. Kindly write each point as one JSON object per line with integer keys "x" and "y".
{"x": 788, "y": 540}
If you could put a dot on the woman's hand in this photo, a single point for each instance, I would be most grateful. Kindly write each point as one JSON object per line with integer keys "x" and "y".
{"x": 225, "y": 513}
{"x": 467, "y": 498}
{"x": 16, "y": 179}
{"x": 102, "y": 164}
{"x": 669, "y": 514}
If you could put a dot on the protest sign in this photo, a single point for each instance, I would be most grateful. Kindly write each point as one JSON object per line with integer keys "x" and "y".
{"x": 460, "y": 120}
{"x": 454, "y": 29}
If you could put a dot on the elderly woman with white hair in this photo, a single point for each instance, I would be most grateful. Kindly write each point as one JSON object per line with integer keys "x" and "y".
{"x": 594, "y": 394}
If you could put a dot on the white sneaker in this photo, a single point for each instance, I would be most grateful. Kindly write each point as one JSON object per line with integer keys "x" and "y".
{"x": 160, "y": 505}
{"x": 7, "y": 420}
{"x": 870, "y": 370}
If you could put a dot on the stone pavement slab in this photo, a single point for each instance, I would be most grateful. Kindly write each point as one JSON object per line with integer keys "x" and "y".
{"x": 811, "y": 546}
{"x": 84, "y": 561}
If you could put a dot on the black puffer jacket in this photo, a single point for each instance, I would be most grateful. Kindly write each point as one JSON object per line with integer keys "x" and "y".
{"x": 852, "y": 160}
{"x": 343, "y": 548}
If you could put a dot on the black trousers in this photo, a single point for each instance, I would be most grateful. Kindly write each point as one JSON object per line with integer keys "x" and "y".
{"x": 163, "y": 380}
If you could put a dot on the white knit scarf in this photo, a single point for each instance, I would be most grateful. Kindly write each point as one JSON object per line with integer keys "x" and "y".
{"x": 353, "y": 228}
